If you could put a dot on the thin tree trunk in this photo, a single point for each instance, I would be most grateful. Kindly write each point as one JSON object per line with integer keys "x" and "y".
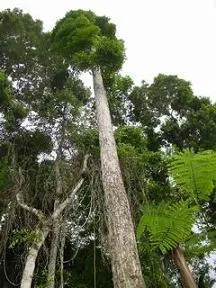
{"x": 53, "y": 254}
{"x": 125, "y": 262}
{"x": 186, "y": 275}
{"x": 61, "y": 254}
{"x": 55, "y": 228}
{"x": 28, "y": 271}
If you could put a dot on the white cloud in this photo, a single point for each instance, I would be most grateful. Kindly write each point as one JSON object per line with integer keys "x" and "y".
{"x": 169, "y": 36}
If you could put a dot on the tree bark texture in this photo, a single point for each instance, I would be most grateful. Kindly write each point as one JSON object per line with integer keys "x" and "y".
{"x": 56, "y": 227}
{"x": 125, "y": 262}
{"x": 28, "y": 271}
{"x": 186, "y": 275}
{"x": 53, "y": 253}
{"x": 61, "y": 254}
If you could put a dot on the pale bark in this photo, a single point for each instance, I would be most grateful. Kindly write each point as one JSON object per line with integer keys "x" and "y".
{"x": 28, "y": 271}
{"x": 61, "y": 255}
{"x": 72, "y": 194}
{"x": 125, "y": 262}
{"x": 55, "y": 230}
{"x": 187, "y": 278}
{"x": 33, "y": 210}
{"x": 53, "y": 254}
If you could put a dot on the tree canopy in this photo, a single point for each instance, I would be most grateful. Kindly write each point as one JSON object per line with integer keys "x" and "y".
{"x": 87, "y": 40}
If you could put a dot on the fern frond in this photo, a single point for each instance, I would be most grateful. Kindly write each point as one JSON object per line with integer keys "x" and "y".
{"x": 196, "y": 173}
{"x": 168, "y": 225}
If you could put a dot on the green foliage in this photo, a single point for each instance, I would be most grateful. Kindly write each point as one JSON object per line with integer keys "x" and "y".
{"x": 109, "y": 53}
{"x": 156, "y": 267}
{"x": 14, "y": 114}
{"x": 80, "y": 273}
{"x": 195, "y": 173}
{"x": 25, "y": 148}
{"x": 118, "y": 88}
{"x": 71, "y": 97}
{"x": 13, "y": 111}
{"x": 168, "y": 225}
{"x": 5, "y": 93}
{"x": 87, "y": 41}
{"x": 88, "y": 141}
{"x": 139, "y": 98}
{"x": 132, "y": 136}
{"x": 170, "y": 93}
{"x": 201, "y": 125}
{"x": 75, "y": 32}
{"x": 196, "y": 130}
{"x": 4, "y": 175}
{"x": 107, "y": 29}
{"x": 198, "y": 246}
{"x": 59, "y": 79}
{"x": 211, "y": 209}
{"x": 20, "y": 35}
{"x": 33, "y": 143}
{"x": 144, "y": 172}
{"x": 25, "y": 236}
{"x": 141, "y": 112}
{"x": 181, "y": 118}
{"x": 42, "y": 279}
{"x": 167, "y": 94}
{"x": 19, "y": 112}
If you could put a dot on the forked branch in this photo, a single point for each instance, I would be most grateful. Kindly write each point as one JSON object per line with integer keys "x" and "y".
{"x": 73, "y": 193}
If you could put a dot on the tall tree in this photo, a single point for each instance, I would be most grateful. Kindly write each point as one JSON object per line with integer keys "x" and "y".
{"x": 89, "y": 42}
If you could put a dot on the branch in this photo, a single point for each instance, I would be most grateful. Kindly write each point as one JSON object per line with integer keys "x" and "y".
{"x": 68, "y": 200}
{"x": 85, "y": 162}
{"x": 72, "y": 195}
{"x": 33, "y": 210}
{"x": 20, "y": 199}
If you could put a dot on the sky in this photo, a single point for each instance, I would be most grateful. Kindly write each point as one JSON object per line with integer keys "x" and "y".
{"x": 175, "y": 37}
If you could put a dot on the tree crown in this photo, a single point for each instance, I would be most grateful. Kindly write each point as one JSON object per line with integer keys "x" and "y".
{"x": 87, "y": 40}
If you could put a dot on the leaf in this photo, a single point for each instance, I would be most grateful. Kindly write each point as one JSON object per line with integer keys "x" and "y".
{"x": 196, "y": 173}
{"x": 168, "y": 224}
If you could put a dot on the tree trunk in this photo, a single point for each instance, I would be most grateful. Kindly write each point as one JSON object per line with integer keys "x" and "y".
{"x": 186, "y": 275}
{"x": 28, "y": 271}
{"x": 61, "y": 254}
{"x": 53, "y": 254}
{"x": 56, "y": 224}
{"x": 125, "y": 262}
